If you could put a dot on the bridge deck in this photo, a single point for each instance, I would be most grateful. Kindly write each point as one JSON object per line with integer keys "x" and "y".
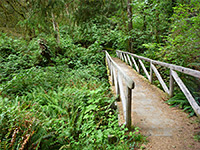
{"x": 166, "y": 128}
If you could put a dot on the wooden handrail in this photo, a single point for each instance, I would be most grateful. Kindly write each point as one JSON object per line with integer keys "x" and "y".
{"x": 173, "y": 75}
{"x": 128, "y": 80}
{"x": 194, "y": 73}
{"x": 117, "y": 75}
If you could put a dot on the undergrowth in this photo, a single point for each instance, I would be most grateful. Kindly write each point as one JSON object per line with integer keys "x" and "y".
{"x": 65, "y": 104}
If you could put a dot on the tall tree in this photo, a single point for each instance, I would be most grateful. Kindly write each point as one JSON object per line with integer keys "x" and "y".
{"x": 130, "y": 25}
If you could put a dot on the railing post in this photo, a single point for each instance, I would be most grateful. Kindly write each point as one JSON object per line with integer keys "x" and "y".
{"x": 112, "y": 75}
{"x": 136, "y": 66}
{"x": 128, "y": 107}
{"x": 171, "y": 84}
{"x": 116, "y": 85}
{"x": 122, "y": 56}
{"x": 151, "y": 73}
{"x": 117, "y": 53}
{"x": 117, "y": 78}
{"x": 125, "y": 59}
{"x": 108, "y": 63}
{"x": 129, "y": 60}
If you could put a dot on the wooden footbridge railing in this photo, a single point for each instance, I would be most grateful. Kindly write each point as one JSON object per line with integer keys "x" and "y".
{"x": 131, "y": 60}
{"x": 117, "y": 78}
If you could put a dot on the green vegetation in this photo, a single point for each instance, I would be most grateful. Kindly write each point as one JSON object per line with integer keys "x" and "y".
{"x": 66, "y": 104}
{"x": 54, "y": 92}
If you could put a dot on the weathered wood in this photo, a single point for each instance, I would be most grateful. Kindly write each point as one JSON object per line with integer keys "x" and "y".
{"x": 122, "y": 56}
{"x": 186, "y": 92}
{"x": 117, "y": 80}
{"x": 145, "y": 70}
{"x": 122, "y": 95}
{"x": 173, "y": 76}
{"x": 108, "y": 65}
{"x": 184, "y": 70}
{"x": 128, "y": 80}
{"x": 151, "y": 73}
{"x": 117, "y": 53}
{"x": 128, "y": 107}
{"x": 171, "y": 84}
{"x": 118, "y": 76}
{"x": 136, "y": 66}
{"x": 116, "y": 84}
{"x": 129, "y": 60}
{"x": 125, "y": 59}
{"x": 160, "y": 79}
{"x": 112, "y": 76}
{"x": 139, "y": 57}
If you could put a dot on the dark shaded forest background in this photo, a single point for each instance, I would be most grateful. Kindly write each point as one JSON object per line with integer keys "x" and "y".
{"x": 54, "y": 92}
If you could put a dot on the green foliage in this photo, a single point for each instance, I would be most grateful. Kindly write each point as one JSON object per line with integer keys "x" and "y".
{"x": 184, "y": 38}
{"x": 181, "y": 47}
{"x": 63, "y": 105}
{"x": 197, "y": 137}
{"x": 179, "y": 100}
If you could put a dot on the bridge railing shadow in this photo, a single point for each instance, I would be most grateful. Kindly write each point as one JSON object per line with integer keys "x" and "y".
{"x": 130, "y": 59}
{"x": 124, "y": 92}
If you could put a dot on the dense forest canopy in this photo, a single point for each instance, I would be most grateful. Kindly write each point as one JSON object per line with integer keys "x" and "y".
{"x": 54, "y": 92}
{"x": 155, "y": 24}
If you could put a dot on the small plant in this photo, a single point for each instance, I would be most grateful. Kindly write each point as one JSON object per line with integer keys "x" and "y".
{"x": 65, "y": 105}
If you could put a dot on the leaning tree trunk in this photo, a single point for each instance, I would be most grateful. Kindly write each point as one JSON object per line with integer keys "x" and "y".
{"x": 56, "y": 29}
{"x": 130, "y": 26}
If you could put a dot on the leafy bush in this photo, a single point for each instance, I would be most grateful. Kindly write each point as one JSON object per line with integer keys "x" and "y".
{"x": 64, "y": 105}
{"x": 179, "y": 100}
{"x": 181, "y": 48}
{"x": 68, "y": 117}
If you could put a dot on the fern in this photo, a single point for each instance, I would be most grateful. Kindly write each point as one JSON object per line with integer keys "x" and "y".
{"x": 179, "y": 100}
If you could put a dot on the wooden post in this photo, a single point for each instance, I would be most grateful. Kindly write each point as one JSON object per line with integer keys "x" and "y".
{"x": 122, "y": 57}
{"x": 187, "y": 93}
{"x": 171, "y": 84}
{"x": 125, "y": 94}
{"x": 125, "y": 56}
{"x": 136, "y": 66}
{"x": 117, "y": 85}
{"x": 128, "y": 107}
{"x": 117, "y": 53}
{"x": 122, "y": 96}
{"x": 151, "y": 73}
{"x": 129, "y": 60}
{"x": 109, "y": 66}
{"x": 112, "y": 75}
{"x": 145, "y": 70}
{"x": 139, "y": 67}
{"x": 164, "y": 86}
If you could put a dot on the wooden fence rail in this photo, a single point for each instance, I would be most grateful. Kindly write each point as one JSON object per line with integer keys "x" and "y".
{"x": 125, "y": 56}
{"x": 117, "y": 77}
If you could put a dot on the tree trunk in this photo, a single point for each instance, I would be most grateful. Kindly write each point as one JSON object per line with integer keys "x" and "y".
{"x": 130, "y": 25}
{"x": 56, "y": 29}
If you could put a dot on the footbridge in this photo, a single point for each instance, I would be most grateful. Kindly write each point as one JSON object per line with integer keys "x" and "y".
{"x": 142, "y": 104}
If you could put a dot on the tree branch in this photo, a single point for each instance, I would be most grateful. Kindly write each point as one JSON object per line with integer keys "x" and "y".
{"x": 15, "y": 9}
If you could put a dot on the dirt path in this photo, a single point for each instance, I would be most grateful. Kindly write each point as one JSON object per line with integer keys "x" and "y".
{"x": 166, "y": 128}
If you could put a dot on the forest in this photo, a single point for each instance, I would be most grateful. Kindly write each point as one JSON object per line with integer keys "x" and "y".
{"x": 54, "y": 88}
